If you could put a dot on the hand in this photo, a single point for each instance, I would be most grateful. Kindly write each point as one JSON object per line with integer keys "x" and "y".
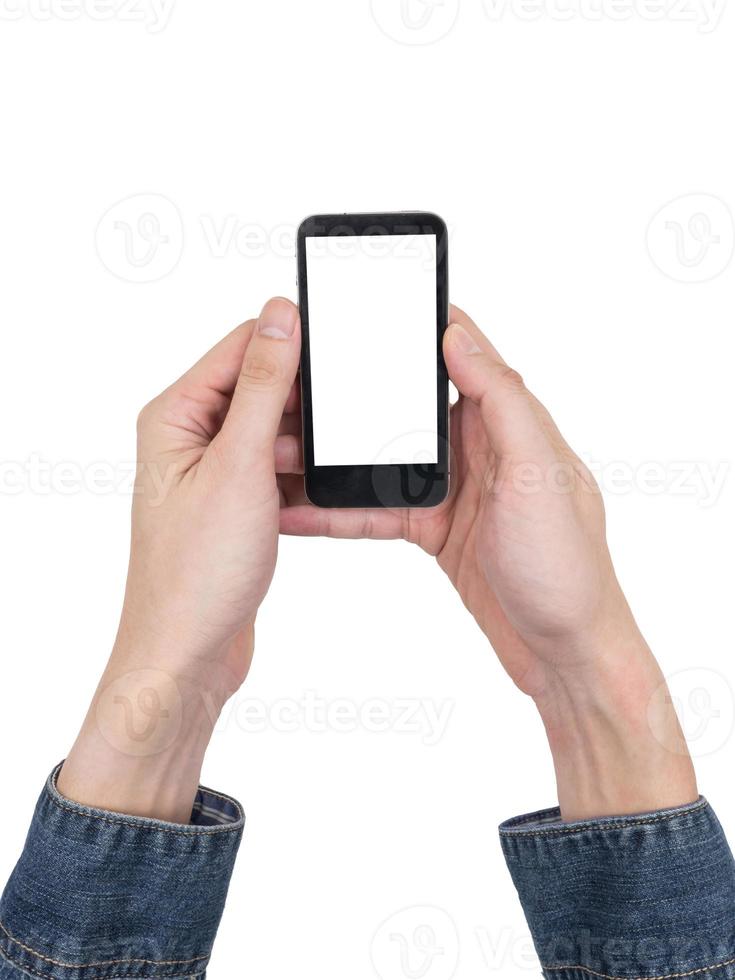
{"x": 204, "y": 543}
{"x": 522, "y": 538}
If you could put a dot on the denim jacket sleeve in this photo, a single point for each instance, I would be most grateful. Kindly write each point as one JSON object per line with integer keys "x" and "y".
{"x": 649, "y": 896}
{"x": 104, "y": 896}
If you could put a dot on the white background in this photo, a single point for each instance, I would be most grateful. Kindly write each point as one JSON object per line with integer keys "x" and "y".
{"x": 372, "y": 344}
{"x": 551, "y": 147}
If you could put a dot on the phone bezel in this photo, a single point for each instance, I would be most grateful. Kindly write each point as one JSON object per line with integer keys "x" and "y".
{"x": 368, "y": 485}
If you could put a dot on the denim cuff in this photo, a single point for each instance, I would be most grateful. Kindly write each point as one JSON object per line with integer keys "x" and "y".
{"x": 104, "y": 896}
{"x": 647, "y": 896}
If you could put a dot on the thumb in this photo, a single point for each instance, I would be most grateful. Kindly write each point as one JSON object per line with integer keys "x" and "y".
{"x": 506, "y": 407}
{"x": 266, "y": 377}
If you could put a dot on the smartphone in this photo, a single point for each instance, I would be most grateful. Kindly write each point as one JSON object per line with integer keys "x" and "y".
{"x": 373, "y": 297}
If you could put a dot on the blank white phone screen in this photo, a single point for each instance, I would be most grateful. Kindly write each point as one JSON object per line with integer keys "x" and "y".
{"x": 372, "y": 343}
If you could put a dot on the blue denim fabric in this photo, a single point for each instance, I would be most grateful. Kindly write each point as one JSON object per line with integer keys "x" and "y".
{"x": 102, "y": 896}
{"x": 649, "y": 896}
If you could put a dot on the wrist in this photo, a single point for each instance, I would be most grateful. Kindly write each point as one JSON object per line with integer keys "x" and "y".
{"x": 142, "y": 744}
{"x": 199, "y": 667}
{"x": 614, "y": 736}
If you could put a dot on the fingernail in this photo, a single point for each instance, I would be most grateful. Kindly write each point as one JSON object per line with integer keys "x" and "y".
{"x": 277, "y": 319}
{"x": 463, "y": 340}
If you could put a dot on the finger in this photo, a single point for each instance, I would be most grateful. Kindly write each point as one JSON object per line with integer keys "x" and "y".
{"x": 218, "y": 370}
{"x": 290, "y": 425}
{"x": 458, "y": 315}
{"x": 194, "y": 407}
{"x": 288, "y": 454}
{"x": 291, "y": 490}
{"x": 310, "y": 521}
{"x": 506, "y": 408}
{"x": 264, "y": 383}
{"x": 293, "y": 402}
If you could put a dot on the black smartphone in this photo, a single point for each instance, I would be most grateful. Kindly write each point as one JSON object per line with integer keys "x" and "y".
{"x": 373, "y": 297}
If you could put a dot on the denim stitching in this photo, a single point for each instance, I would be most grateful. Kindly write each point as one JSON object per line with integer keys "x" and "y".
{"x": 666, "y": 976}
{"x": 553, "y": 811}
{"x": 80, "y": 810}
{"x": 144, "y": 825}
{"x": 220, "y": 796}
{"x": 48, "y": 976}
{"x": 603, "y": 825}
{"x": 84, "y": 966}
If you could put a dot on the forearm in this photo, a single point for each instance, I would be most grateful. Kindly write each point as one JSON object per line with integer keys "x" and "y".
{"x": 128, "y": 860}
{"x": 632, "y": 876}
{"x": 614, "y": 736}
{"x": 141, "y": 746}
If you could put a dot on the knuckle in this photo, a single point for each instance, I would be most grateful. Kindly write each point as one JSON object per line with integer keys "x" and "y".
{"x": 585, "y": 476}
{"x": 222, "y": 458}
{"x": 297, "y": 461}
{"x": 288, "y": 454}
{"x": 259, "y": 370}
{"x": 366, "y": 527}
{"x": 145, "y": 416}
{"x": 511, "y": 378}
